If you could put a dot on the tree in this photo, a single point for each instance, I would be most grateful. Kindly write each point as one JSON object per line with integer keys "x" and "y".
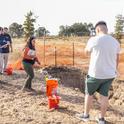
{"x": 16, "y": 30}
{"x": 119, "y": 26}
{"x": 41, "y": 31}
{"x": 91, "y": 29}
{"x": 65, "y": 30}
{"x": 29, "y": 24}
{"x": 62, "y": 30}
{"x": 77, "y": 29}
{"x": 80, "y": 29}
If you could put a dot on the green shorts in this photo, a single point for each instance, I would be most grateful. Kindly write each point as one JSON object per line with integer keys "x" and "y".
{"x": 100, "y": 85}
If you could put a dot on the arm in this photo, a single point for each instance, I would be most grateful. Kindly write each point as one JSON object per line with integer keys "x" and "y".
{"x": 118, "y": 53}
{"x": 36, "y": 59}
{"x": 117, "y": 61}
{"x": 10, "y": 40}
{"x": 87, "y": 53}
{"x": 11, "y": 47}
{"x": 5, "y": 45}
{"x": 88, "y": 48}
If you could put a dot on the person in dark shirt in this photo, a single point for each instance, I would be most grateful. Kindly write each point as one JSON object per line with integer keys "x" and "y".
{"x": 1, "y": 46}
{"x": 7, "y": 43}
{"x": 1, "y": 39}
{"x": 8, "y": 38}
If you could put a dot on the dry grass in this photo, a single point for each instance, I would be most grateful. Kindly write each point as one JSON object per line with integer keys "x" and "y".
{"x": 64, "y": 52}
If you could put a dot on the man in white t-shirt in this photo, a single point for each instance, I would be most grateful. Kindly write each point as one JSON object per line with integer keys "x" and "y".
{"x": 104, "y": 53}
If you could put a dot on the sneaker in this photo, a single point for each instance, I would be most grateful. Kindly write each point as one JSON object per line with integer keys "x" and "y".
{"x": 101, "y": 121}
{"x": 83, "y": 117}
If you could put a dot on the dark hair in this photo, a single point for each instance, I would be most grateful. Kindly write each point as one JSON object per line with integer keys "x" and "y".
{"x": 1, "y": 29}
{"x": 6, "y": 28}
{"x": 29, "y": 43}
{"x": 100, "y": 23}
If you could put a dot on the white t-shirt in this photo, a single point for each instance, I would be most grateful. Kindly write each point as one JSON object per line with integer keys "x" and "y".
{"x": 104, "y": 49}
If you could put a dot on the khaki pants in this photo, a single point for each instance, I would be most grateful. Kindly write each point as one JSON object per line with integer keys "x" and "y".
{"x": 3, "y": 61}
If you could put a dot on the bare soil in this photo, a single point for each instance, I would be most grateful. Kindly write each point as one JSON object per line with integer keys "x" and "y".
{"x": 19, "y": 107}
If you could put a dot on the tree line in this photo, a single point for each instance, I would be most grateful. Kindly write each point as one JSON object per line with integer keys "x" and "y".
{"x": 27, "y": 29}
{"x": 77, "y": 29}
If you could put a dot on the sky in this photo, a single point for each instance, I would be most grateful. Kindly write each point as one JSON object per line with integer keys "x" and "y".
{"x": 53, "y": 13}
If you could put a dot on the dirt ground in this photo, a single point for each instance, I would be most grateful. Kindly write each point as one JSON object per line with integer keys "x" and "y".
{"x": 19, "y": 107}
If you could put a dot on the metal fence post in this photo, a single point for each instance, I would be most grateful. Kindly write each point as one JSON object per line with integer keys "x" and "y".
{"x": 73, "y": 53}
{"x": 44, "y": 51}
{"x": 55, "y": 56}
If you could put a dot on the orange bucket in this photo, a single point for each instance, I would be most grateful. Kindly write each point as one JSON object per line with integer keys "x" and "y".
{"x": 51, "y": 84}
{"x": 53, "y": 102}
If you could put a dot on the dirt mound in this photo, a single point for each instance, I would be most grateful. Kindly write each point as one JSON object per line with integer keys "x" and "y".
{"x": 74, "y": 77}
{"x": 117, "y": 92}
{"x": 69, "y": 76}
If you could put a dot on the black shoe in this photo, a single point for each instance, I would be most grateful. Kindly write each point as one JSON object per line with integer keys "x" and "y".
{"x": 83, "y": 117}
{"x": 101, "y": 121}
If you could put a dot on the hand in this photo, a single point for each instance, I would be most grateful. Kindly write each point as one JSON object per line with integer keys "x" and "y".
{"x": 5, "y": 46}
{"x": 39, "y": 63}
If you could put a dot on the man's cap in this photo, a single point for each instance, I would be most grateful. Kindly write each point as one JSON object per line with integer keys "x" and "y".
{"x": 100, "y": 23}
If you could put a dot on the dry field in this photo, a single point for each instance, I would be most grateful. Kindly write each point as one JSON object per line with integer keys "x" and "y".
{"x": 18, "y": 107}
{"x": 61, "y": 51}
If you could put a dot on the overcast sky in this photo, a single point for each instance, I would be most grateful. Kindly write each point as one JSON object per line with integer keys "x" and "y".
{"x": 53, "y": 13}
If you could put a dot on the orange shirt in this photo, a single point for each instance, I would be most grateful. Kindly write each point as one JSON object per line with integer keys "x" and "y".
{"x": 26, "y": 56}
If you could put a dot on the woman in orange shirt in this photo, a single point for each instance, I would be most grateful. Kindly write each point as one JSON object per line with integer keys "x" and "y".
{"x": 29, "y": 59}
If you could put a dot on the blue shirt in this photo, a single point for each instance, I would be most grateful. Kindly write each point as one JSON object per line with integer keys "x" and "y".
{"x": 5, "y": 38}
{"x": 2, "y": 38}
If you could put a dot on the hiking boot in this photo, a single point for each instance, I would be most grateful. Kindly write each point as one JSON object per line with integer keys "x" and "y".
{"x": 101, "y": 121}
{"x": 83, "y": 117}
